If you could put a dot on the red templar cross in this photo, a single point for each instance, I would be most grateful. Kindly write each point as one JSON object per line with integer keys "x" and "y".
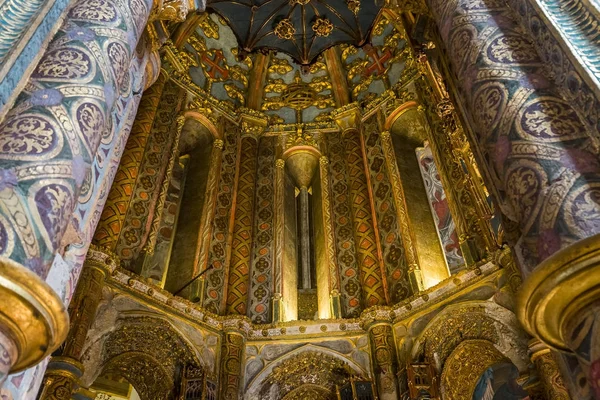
{"x": 377, "y": 67}
{"x": 216, "y": 68}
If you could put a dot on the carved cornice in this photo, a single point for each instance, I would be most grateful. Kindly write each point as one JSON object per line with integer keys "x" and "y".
{"x": 148, "y": 293}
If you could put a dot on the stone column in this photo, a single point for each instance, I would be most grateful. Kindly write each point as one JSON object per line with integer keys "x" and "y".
{"x": 545, "y": 166}
{"x": 408, "y": 239}
{"x": 252, "y": 127}
{"x": 128, "y": 214}
{"x": 50, "y": 138}
{"x": 63, "y": 373}
{"x": 233, "y": 350}
{"x": 371, "y": 269}
{"x": 548, "y": 371}
{"x": 384, "y": 360}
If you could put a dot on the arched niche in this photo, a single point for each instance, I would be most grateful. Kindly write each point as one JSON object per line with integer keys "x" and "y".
{"x": 438, "y": 337}
{"x": 146, "y": 351}
{"x": 427, "y": 207}
{"x": 195, "y": 149}
{"x": 286, "y": 377}
{"x": 476, "y": 370}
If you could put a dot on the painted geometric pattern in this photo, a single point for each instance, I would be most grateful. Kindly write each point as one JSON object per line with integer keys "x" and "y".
{"x": 117, "y": 204}
{"x": 344, "y": 240}
{"x": 215, "y": 278}
{"x": 241, "y": 246}
{"x": 578, "y": 22}
{"x": 536, "y": 145}
{"x": 387, "y": 221}
{"x": 440, "y": 209}
{"x": 158, "y": 262}
{"x": 136, "y": 225}
{"x": 262, "y": 263}
{"x": 372, "y": 276}
{"x": 152, "y": 173}
{"x": 49, "y": 139}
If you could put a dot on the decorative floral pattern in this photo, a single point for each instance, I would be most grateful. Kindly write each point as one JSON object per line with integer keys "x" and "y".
{"x": 537, "y": 132}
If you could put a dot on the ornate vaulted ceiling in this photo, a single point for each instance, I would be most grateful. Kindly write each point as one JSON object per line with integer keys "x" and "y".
{"x": 303, "y": 29}
{"x": 284, "y": 90}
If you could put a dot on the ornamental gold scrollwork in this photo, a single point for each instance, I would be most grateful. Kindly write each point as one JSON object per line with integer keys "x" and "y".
{"x": 285, "y": 29}
{"x": 464, "y": 368}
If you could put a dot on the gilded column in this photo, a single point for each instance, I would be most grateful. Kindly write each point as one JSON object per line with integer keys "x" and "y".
{"x": 113, "y": 216}
{"x": 233, "y": 350}
{"x": 371, "y": 269}
{"x": 174, "y": 155}
{"x": 545, "y": 166}
{"x": 62, "y": 376}
{"x": 129, "y": 212}
{"x": 239, "y": 268}
{"x": 548, "y": 371}
{"x": 50, "y": 138}
{"x": 466, "y": 199}
{"x": 384, "y": 359}
{"x": 408, "y": 239}
{"x": 208, "y": 214}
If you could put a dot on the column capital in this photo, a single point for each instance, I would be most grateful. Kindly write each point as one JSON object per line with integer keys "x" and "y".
{"x": 560, "y": 288}
{"x": 348, "y": 117}
{"x": 252, "y": 123}
{"x": 32, "y": 314}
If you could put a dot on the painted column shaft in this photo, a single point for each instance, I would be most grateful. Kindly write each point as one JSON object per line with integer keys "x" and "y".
{"x": 232, "y": 361}
{"x": 241, "y": 247}
{"x": 113, "y": 216}
{"x": 372, "y": 280}
{"x": 136, "y": 190}
{"x": 544, "y": 163}
{"x": 51, "y": 136}
{"x": 64, "y": 272}
{"x": 8, "y": 355}
{"x": 534, "y": 141}
{"x": 57, "y": 124}
{"x": 383, "y": 355}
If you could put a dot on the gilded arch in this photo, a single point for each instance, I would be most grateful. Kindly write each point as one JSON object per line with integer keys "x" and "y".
{"x": 322, "y": 368}
{"x": 473, "y": 320}
{"x": 150, "y": 353}
{"x": 464, "y": 367}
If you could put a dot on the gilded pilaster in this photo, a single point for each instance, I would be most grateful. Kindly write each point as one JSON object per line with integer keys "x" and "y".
{"x": 174, "y": 154}
{"x": 233, "y": 350}
{"x": 384, "y": 359}
{"x": 548, "y": 371}
{"x": 277, "y": 302}
{"x": 208, "y": 214}
{"x": 138, "y": 183}
{"x": 371, "y": 268}
{"x": 467, "y": 201}
{"x": 113, "y": 216}
{"x": 408, "y": 239}
{"x": 241, "y": 248}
